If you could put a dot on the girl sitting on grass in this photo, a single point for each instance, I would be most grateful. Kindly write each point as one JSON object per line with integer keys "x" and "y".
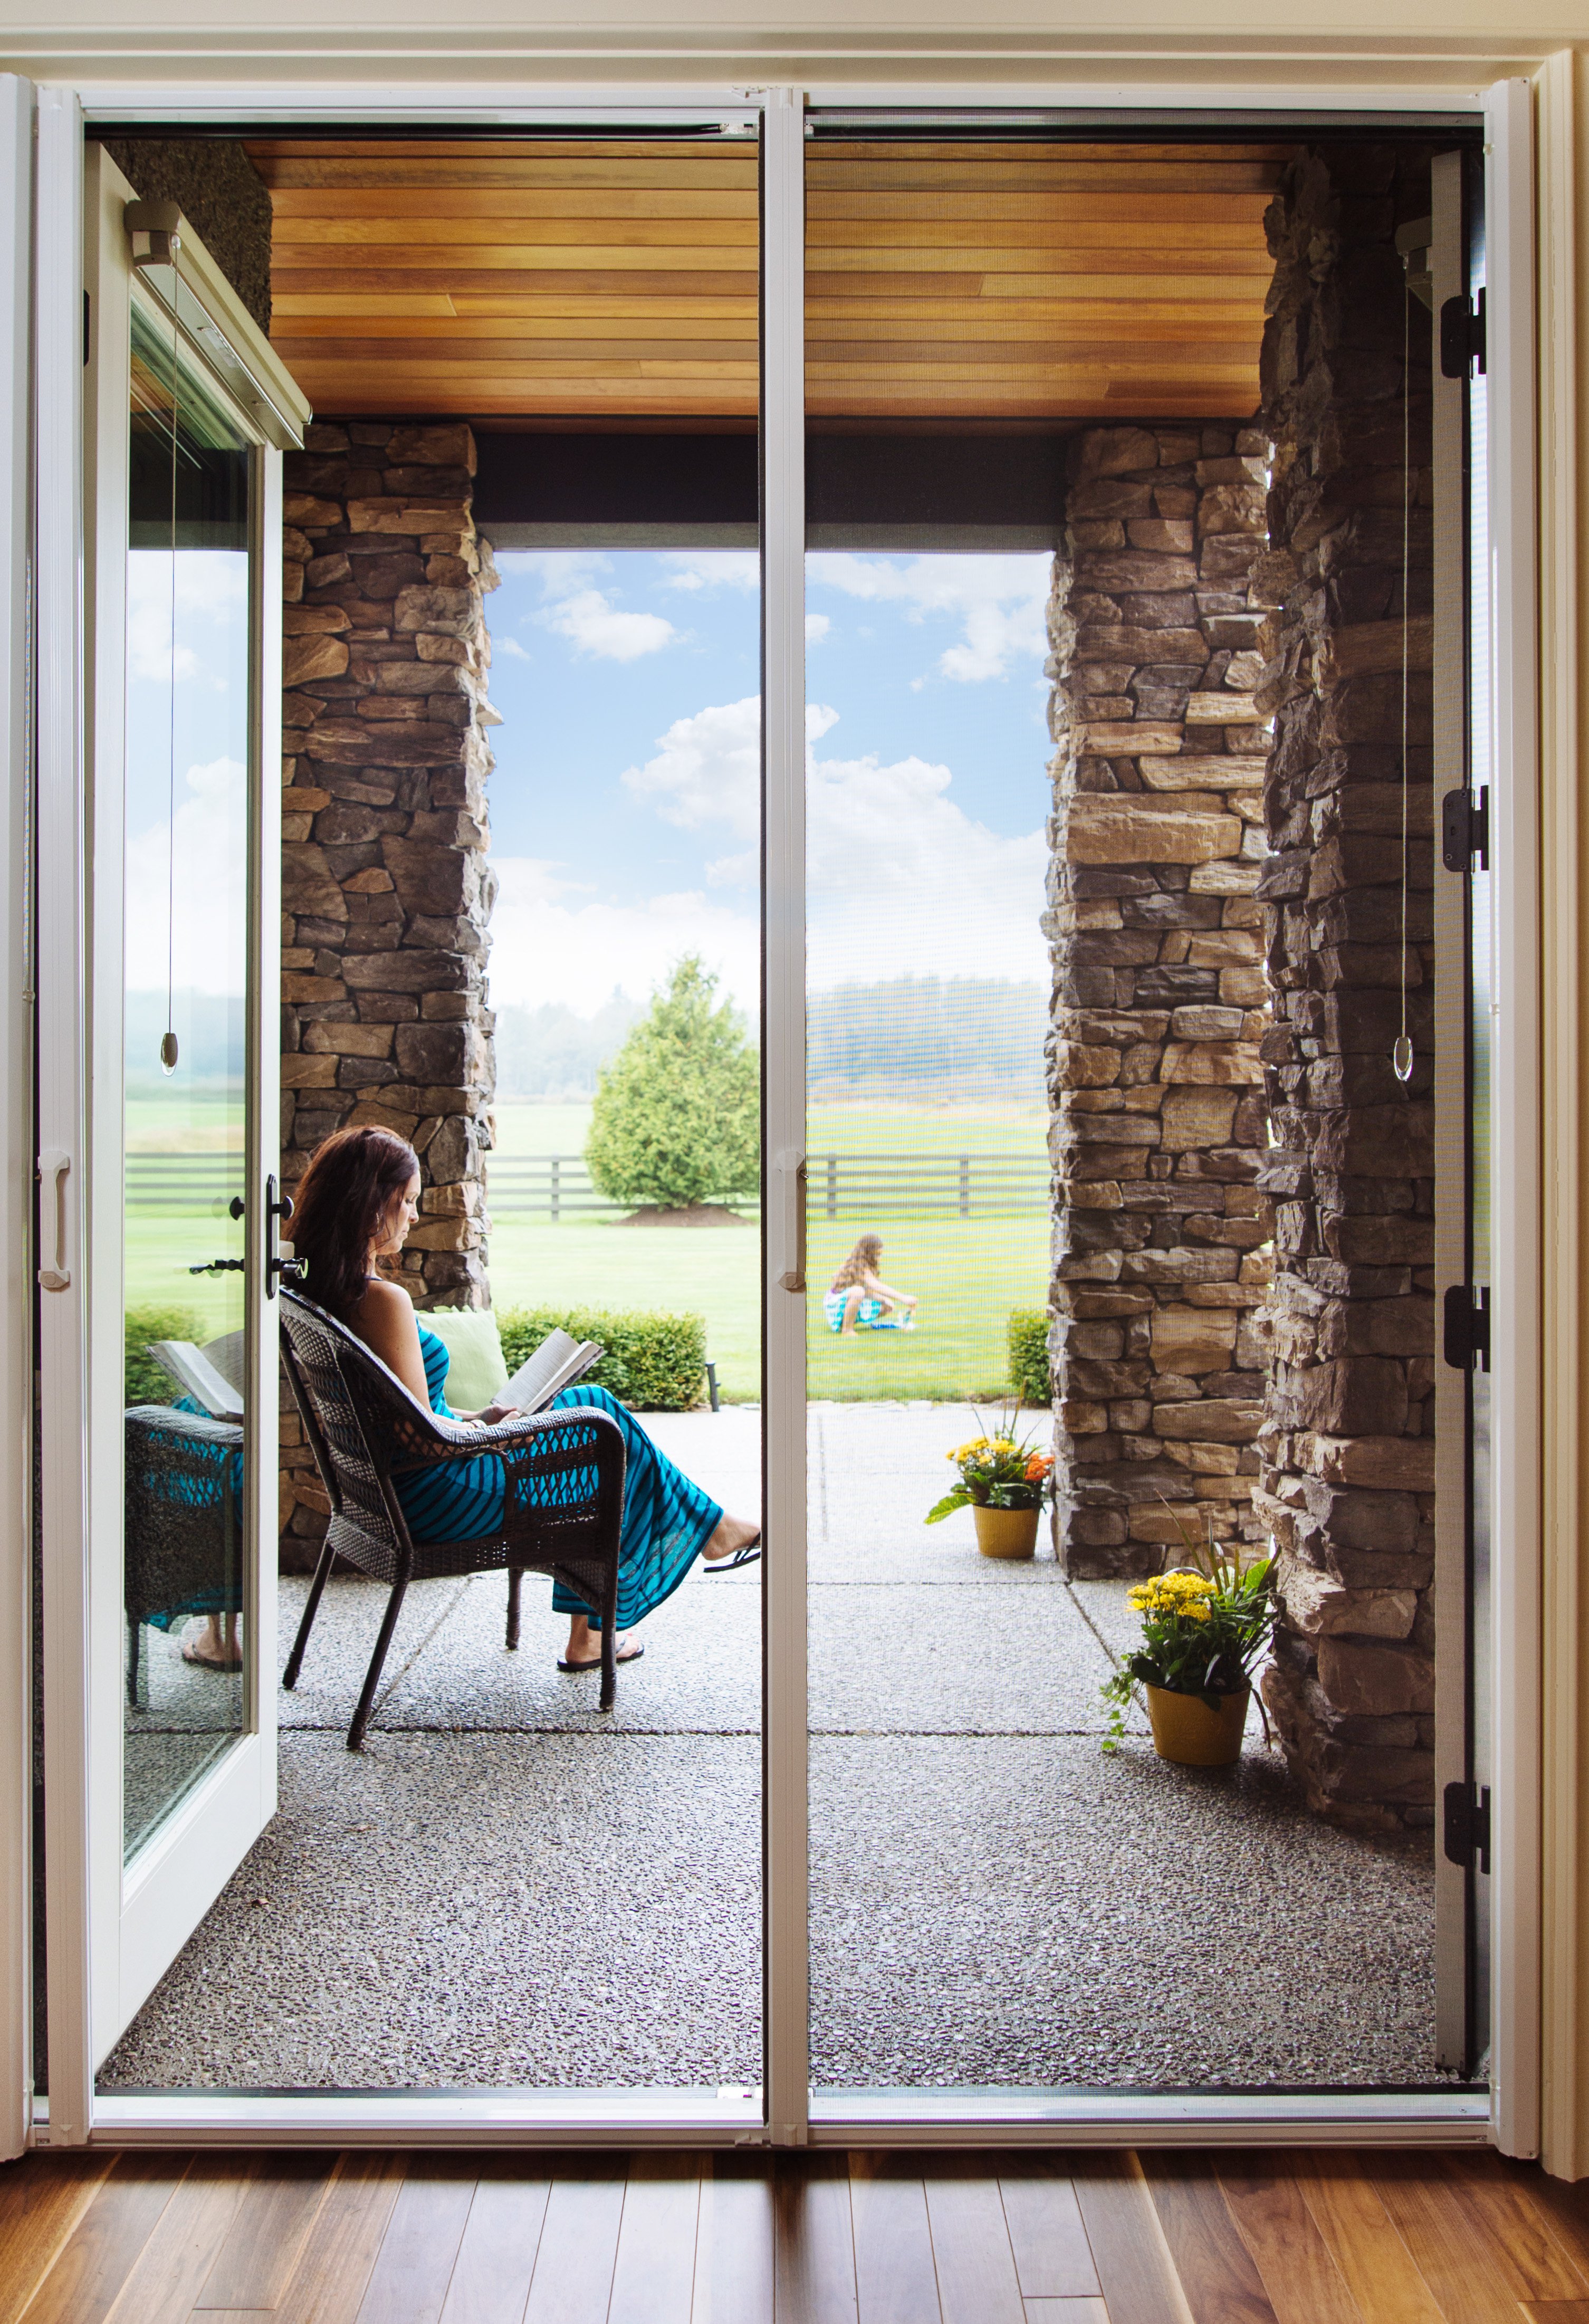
{"x": 858, "y": 1295}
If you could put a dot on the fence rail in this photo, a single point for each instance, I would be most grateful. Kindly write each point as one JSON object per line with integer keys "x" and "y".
{"x": 558, "y": 1185}
{"x": 839, "y": 1185}
{"x": 182, "y": 1182}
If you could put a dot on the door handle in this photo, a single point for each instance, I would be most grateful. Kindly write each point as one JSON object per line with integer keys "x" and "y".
{"x": 788, "y": 1217}
{"x": 54, "y": 1163}
{"x": 281, "y": 1266}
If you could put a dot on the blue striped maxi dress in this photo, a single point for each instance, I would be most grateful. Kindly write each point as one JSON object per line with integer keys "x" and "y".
{"x": 668, "y": 1520}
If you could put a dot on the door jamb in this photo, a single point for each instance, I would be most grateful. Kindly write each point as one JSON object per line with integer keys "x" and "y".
{"x": 1517, "y": 1148}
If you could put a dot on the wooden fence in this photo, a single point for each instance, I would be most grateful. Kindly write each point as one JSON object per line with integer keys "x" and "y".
{"x": 556, "y": 1187}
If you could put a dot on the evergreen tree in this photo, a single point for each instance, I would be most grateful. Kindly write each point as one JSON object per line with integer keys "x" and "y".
{"x": 676, "y": 1113}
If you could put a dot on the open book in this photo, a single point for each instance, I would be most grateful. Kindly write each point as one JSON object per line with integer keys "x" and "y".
{"x": 198, "y": 1378}
{"x": 556, "y": 1364}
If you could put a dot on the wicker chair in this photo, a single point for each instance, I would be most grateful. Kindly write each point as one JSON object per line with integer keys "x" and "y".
{"x": 184, "y": 1526}
{"x": 562, "y": 1507}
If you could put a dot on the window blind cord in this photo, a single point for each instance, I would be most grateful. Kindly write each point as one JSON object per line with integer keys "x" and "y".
{"x": 1401, "y": 1054}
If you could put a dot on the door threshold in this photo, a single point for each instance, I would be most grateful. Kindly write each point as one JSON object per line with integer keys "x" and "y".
{"x": 1144, "y": 2117}
{"x": 708, "y": 2117}
{"x": 839, "y": 2119}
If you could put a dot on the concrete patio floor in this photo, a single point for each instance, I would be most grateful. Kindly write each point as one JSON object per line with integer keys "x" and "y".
{"x": 508, "y": 1888}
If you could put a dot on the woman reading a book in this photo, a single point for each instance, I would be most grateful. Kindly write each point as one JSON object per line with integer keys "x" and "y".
{"x": 357, "y": 1202}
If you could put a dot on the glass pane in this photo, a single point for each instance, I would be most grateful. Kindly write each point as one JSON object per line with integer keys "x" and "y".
{"x": 1055, "y": 795}
{"x": 185, "y": 966}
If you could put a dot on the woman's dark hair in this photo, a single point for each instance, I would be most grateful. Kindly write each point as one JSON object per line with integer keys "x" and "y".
{"x": 351, "y": 1183}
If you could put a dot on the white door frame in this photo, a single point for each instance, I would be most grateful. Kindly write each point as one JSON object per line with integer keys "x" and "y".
{"x": 112, "y": 1930}
{"x": 16, "y": 1115}
{"x": 916, "y": 2116}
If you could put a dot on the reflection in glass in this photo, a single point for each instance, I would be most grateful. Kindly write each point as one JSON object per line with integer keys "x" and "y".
{"x": 185, "y": 967}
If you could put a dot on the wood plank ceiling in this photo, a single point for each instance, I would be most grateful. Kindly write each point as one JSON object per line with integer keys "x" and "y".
{"x": 616, "y": 280}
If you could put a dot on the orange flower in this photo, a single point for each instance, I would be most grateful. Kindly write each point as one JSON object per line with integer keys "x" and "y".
{"x": 1038, "y": 1468}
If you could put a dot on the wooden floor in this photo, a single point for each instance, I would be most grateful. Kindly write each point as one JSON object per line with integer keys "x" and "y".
{"x": 1218, "y": 2237}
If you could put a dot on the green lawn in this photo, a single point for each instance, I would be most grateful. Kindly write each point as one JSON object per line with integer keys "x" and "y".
{"x": 968, "y": 1273}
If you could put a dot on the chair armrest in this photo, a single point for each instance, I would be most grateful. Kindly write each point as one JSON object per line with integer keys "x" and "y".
{"x": 468, "y": 1440}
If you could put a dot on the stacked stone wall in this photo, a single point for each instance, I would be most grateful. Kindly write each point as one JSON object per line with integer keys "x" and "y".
{"x": 1348, "y": 1443}
{"x": 386, "y": 890}
{"x": 1161, "y": 1270}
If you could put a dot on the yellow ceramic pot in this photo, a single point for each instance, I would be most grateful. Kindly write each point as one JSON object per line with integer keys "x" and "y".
{"x": 1187, "y": 1732}
{"x": 1006, "y": 1533}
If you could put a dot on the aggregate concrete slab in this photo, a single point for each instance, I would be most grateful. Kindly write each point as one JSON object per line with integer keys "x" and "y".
{"x": 1027, "y": 1911}
{"x": 906, "y": 1657}
{"x": 701, "y": 1672}
{"x": 995, "y": 1901}
{"x": 571, "y": 1912}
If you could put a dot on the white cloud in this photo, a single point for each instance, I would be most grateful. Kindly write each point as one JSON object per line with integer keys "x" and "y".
{"x": 998, "y": 600}
{"x": 597, "y": 626}
{"x": 510, "y": 647}
{"x": 550, "y": 940}
{"x": 708, "y": 770}
{"x": 900, "y": 879}
{"x": 206, "y": 873}
{"x": 211, "y": 602}
{"x": 816, "y": 628}
{"x": 713, "y": 569}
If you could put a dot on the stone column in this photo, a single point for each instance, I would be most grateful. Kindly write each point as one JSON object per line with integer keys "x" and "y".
{"x": 1348, "y": 1445}
{"x": 387, "y": 890}
{"x": 1161, "y": 1273}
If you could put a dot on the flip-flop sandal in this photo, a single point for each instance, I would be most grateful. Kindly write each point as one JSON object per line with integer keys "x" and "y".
{"x": 633, "y": 1654}
{"x": 746, "y": 1556}
{"x": 210, "y": 1662}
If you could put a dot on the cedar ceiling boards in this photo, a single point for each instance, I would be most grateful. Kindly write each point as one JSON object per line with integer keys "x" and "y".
{"x": 617, "y": 280}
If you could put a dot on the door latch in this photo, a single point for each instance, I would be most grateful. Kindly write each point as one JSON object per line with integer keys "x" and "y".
{"x": 1466, "y": 1335}
{"x": 1461, "y": 336}
{"x": 1466, "y": 1825}
{"x": 54, "y": 1166}
{"x": 1464, "y": 830}
{"x": 281, "y": 1264}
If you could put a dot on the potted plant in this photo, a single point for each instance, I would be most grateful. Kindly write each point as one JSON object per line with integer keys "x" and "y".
{"x": 1004, "y": 1484}
{"x": 1205, "y": 1628}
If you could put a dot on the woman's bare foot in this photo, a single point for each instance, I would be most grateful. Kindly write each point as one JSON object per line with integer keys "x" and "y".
{"x": 729, "y": 1535}
{"x": 585, "y": 1643}
{"x": 210, "y": 1650}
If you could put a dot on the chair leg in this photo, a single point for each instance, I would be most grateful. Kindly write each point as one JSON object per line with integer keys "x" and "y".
{"x": 360, "y": 1717}
{"x": 609, "y": 1641}
{"x": 311, "y": 1608}
{"x": 515, "y": 1575}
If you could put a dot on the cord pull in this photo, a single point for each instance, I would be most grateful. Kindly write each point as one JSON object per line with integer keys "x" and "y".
{"x": 1401, "y": 1058}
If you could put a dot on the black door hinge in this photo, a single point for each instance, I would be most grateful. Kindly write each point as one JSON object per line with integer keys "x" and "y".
{"x": 1467, "y": 1322}
{"x": 1462, "y": 337}
{"x": 1467, "y": 1825}
{"x": 1464, "y": 830}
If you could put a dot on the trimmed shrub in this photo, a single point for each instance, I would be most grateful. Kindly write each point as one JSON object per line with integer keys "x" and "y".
{"x": 1028, "y": 1333}
{"x": 653, "y": 1363}
{"x": 146, "y": 1382}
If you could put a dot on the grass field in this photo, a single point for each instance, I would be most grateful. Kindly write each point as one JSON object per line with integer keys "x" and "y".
{"x": 968, "y": 1273}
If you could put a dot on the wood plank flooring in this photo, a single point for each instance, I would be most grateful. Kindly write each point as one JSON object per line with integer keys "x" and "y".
{"x": 1216, "y": 2236}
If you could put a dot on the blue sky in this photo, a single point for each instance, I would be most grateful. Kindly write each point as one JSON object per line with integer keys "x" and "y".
{"x": 624, "y": 801}
{"x": 211, "y": 744}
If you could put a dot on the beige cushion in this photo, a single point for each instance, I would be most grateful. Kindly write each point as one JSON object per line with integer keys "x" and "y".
{"x": 476, "y": 1373}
